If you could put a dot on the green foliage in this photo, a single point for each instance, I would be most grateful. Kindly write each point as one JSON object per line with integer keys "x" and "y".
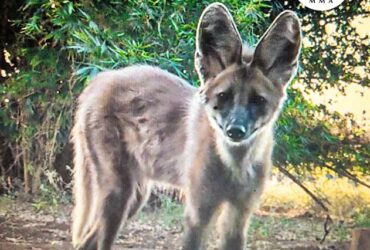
{"x": 362, "y": 218}
{"x": 332, "y": 58}
{"x": 155, "y": 32}
{"x": 306, "y": 137}
{"x": 49, "y": 198}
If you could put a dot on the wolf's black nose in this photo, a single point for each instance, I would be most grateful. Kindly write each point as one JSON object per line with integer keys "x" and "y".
{"x": 236, "y": 132}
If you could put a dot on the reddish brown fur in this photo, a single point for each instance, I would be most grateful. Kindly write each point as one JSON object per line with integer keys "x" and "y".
{"x": 141, "y": 124}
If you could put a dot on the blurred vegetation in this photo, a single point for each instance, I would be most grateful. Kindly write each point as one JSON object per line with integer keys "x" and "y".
{"x": 334, "y": 50}
{"x": 56, "y": 46}
{"x": 347, "y": 201}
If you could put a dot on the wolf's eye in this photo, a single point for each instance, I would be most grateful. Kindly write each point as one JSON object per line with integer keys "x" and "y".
{"x": 223, "y": 96}
{"x": 258, "y": 100}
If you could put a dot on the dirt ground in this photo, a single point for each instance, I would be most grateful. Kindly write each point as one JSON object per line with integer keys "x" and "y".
{"x": 21, "y": 228}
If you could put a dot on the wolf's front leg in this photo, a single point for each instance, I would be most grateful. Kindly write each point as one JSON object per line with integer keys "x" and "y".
{"x": 200, "y": 207}
{"x": 232, "y": 227}
{"x": 193, "y": 235}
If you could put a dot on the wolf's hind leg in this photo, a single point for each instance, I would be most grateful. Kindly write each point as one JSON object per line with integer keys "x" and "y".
{"x": 111, "y": 212}
{"x": 142, "y": 193}
{"x": 113, "y": 181}
{"x": 82, "y": 196}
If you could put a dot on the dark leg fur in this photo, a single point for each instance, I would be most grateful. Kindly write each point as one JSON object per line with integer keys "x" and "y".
{"x": 198, "y": 214}
{"x": 233, "y": 224}
{"x": 108, "y": 217}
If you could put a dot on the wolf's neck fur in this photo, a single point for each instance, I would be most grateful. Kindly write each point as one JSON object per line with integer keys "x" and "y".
{"x": 240, "y": 158}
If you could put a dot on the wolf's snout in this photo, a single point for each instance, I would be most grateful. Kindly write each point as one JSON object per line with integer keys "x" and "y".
{"x": 236, "y": 132}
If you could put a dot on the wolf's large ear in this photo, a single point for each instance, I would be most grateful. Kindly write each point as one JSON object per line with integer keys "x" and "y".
{"x": 218, "y": 43}
{"x": 277, "y": 52}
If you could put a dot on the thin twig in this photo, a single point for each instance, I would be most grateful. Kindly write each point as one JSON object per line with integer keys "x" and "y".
{"x": 350, "y": 176}
{"x": 28, "y": 95}
{"x": 14, "y": 163}
{"x": 314, "y": 197}
{"x": 326, "y": 228}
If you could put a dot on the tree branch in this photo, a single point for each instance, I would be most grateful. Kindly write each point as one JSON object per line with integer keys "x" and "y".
{"x": 350, "y": 176}
{"x": 296, "y": 181}
{"x": 314, "y": 197}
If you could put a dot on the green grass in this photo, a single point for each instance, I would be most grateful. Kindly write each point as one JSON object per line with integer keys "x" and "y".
{"x": 5, "y": 200}
{"x": 49, "y": 198}
{"x": 260, "y": 227}
{"x": 171, "y": 213}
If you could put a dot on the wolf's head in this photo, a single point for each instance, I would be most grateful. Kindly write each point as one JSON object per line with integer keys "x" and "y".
{"x": 242, "y": 92}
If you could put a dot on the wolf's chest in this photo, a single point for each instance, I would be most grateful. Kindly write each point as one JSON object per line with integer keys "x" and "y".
{"x": 244, "y": 180}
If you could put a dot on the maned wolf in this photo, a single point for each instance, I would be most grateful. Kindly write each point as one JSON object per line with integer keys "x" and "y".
{"x": 141, "y": 124}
